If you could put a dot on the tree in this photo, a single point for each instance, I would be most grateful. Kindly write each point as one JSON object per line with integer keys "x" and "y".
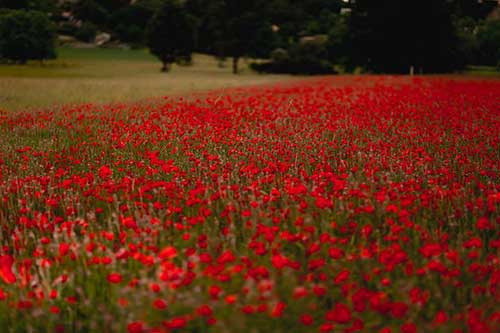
{"x": 309, "y": 58}
{"x": 87, "y": 32}
{"x": 288, "y": 16}
{"x": 91, "y": 11}
{"x": 296, "y": 18}
{"x": 130, "y": 22}
{"x": 47, "y": 6}
{"x": 26, "y": 35}
{"x": 489, "y": 43}
{"x": 474, "y": 9}
{"x": 171, "y": 33}
{"x": 113, "y": 5}
{"x": 244, "y": 30}
{"x": 210, "y": 26}
{"x": 466, "y": 28}
{"x": 394, "y": 35}
{"x": 97, "y": 11}
{"x": 338, "y": 45}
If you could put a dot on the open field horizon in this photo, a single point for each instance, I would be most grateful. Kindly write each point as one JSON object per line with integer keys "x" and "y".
{"x": 105, "y": 76}
{"x": 111, "y": 75}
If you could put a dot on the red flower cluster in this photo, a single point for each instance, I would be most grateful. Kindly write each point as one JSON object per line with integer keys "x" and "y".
{"x": 365, "y": 204}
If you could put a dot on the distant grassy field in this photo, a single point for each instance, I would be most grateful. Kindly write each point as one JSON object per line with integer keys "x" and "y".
{"x": 109, "y": 75}
{"x": 482, "y": 71}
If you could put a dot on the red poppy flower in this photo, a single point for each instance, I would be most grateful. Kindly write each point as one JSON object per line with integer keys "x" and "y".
{"x": 114, "y": 278}
{"x": 6, "y": 262}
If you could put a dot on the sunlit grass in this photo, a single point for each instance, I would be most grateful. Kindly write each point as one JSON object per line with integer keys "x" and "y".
{"x": 108, "y": 75}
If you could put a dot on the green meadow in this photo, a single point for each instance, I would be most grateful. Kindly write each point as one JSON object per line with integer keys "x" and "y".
{"x": 113, "y": 75}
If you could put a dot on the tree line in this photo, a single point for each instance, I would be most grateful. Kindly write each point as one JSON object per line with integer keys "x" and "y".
{"x": 297, "y": 36}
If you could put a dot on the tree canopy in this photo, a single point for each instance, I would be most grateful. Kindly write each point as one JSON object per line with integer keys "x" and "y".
{"x": 241, "y": 29}
{"x": 40, "y": 5}
{"x": 130, "y": 22}
{"x": 389, "y": 36}
{"x": 171, "y": 33}
{"x": 393, "y": 35}
{"x": 26, "y": 35}
{"x": 489, "y": 43}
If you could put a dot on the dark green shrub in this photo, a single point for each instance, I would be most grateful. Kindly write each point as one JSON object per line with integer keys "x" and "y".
{"x": 130, "y": 33}
{"x": 307, "y": 58}
{"x": 310, "y": 58}
{"x": 26, "y": 35}
{"x": 67, "y": 28}
{"x": 280, "y": 55}
{"x": 87, "y": 32}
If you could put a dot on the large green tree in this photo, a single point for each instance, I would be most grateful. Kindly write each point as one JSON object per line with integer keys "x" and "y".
{"x": 244, "y": 30}
{"x": 394, "y": 35}
{"x": 171, "y": 33}
{"x": 26, "y": 35}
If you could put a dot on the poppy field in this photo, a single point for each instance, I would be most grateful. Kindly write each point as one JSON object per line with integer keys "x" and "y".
{"x": 371, "y": 205}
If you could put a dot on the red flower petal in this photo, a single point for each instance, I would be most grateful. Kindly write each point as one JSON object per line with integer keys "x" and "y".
{"x": 6, "y": 273}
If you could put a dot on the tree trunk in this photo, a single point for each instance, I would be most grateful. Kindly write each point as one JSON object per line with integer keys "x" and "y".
{"x": 166, "y": 67}
{"x": 235, "y": 64}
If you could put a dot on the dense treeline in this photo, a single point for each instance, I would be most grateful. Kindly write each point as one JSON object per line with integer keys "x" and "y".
{"x": 299, "y": 36}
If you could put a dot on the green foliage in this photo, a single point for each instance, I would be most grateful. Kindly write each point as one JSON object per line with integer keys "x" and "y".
{"x": 130, "y": 33}
{"x": 302, "y": 58}
{"x": 380, "y": 36}
{"x": 243, "y": 30}
{"x": 26, "y": 35}
{"x": 392, "y": 35}
{"x": 48, "y": 6}
{"x": 113, "y": 5}
{"x": 91, "y": 11}
{"x": 474, "y": 9}
{"x": 87, "y": 32}
{"x": 489, "y": 43}
{"x": 296, "y": 18}
{"x": 310, "y": 58}
{"x": 130, "y": 22}
{"x": 171, "y": 33}
{"x": 210, "y": 25}
{"x": 466, "y": 28}
{"x": 280, "y": 56}
{"x": 288, "y": 17}
{"x": 338, "y": 46}
{"x": 67, "y": 28}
